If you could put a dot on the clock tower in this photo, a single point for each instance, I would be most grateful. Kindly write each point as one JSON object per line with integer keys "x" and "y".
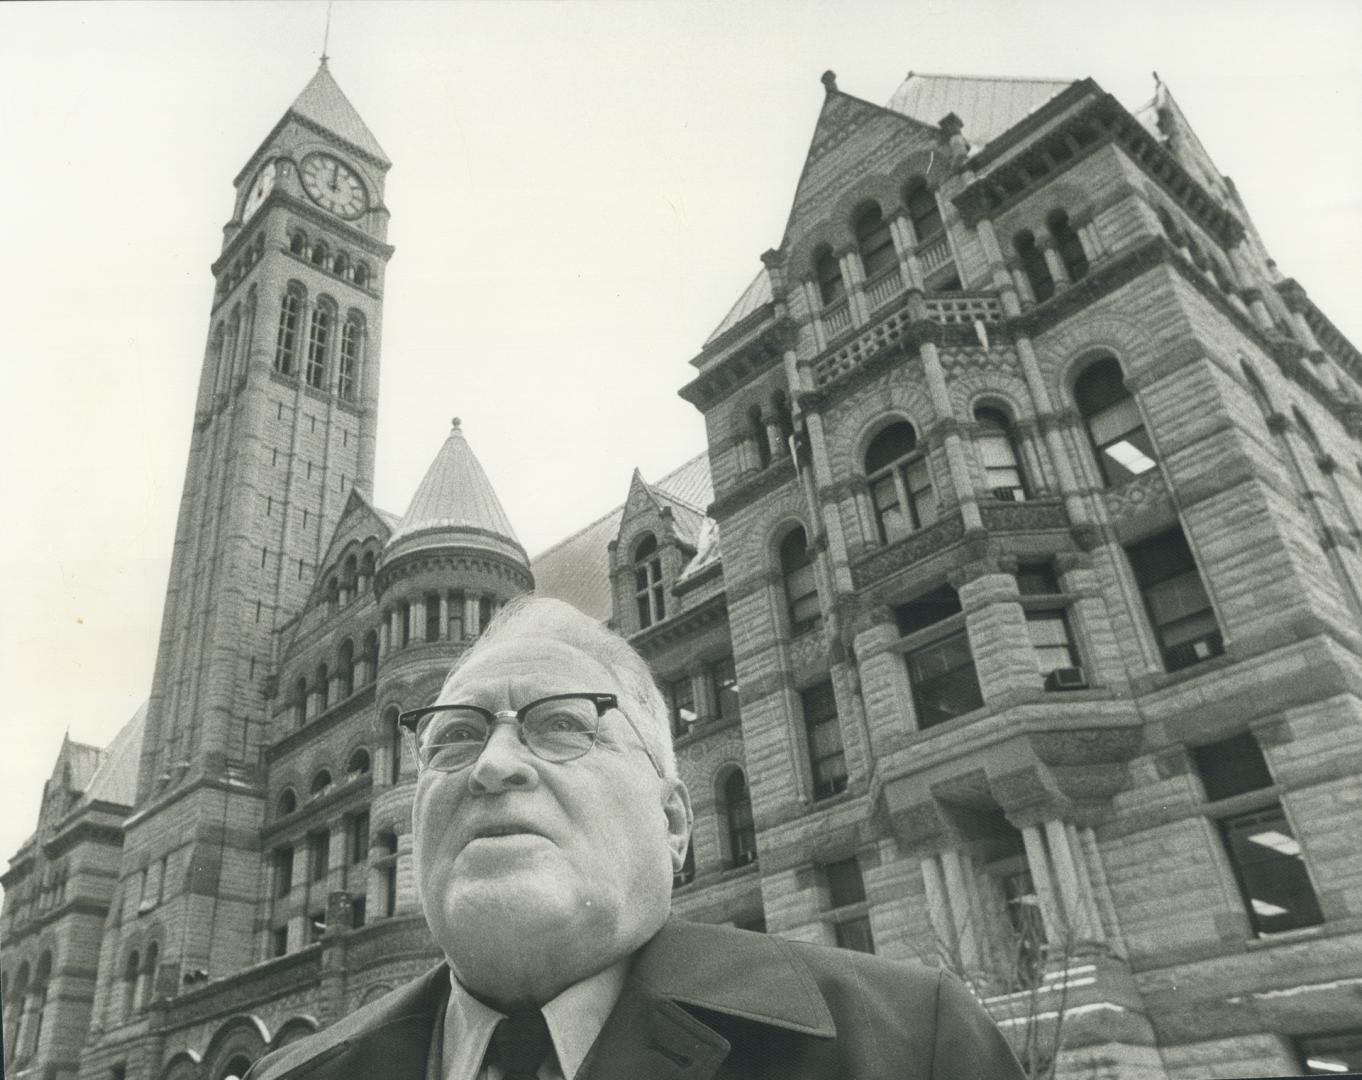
{"x": 284, "y": 428}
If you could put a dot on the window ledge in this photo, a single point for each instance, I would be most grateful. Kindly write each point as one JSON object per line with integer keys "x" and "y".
{"x": 1285, "y": 937}
{"x": 701, "y": 729}
{"x": 1154, "y": 681}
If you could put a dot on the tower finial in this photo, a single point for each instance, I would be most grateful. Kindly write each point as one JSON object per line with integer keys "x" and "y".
{"x": 326, "y": 34}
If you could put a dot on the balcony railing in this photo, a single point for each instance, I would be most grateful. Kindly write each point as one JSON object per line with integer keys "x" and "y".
{"x": 837, "y": 319}
{"x": 934, "y": 254}
{"x": 949, "y": 308}
{"x": 884, "y": 288}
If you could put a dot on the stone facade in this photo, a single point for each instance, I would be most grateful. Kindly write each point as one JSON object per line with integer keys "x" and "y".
{"x": 1014, "y": 625}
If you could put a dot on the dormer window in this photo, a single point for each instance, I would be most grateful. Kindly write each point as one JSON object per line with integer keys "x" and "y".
{"x": 648, "y": 588}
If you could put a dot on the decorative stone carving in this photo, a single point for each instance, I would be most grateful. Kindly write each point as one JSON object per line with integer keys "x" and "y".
{"x": 1023, "y": 517}
{"x": 1143, "y": 494}
{"x": 909, "y": 550}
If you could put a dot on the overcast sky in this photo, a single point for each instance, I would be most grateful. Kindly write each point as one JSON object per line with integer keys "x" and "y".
{"x": 579, "y": 192}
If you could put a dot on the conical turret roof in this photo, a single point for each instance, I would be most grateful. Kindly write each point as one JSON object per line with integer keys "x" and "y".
{"x": 455, "y": 503}
{"x": 323, "y": 102}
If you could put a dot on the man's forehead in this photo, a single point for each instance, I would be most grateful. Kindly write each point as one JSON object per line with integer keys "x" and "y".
{"x": 528, "y": 661}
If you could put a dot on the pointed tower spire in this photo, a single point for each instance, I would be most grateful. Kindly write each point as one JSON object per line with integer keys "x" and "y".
{"x": 322, "y": 102}
{"x": 455, "y": 504}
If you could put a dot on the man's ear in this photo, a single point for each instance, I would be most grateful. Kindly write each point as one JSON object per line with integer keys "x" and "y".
{"x": 676, "y": 808}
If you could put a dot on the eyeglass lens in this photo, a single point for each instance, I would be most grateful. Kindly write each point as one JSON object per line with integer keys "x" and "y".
{"x": 553, "y": 730}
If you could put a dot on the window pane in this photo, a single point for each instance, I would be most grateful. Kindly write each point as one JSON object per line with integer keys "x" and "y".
{"x": 927, "y": 610}
{"x": 855, "y": 934}
{"x": 725, "y": 682}
{"x": 845, "y": 884}
{"x": 1050, "y": 637}
{"x": 1232, "y": 766}
{"x": 1271, "y": 871}
{"x": 1037, "y": 579}
{"x": 944, "y": 681}
{"x": 1115, "y": 420}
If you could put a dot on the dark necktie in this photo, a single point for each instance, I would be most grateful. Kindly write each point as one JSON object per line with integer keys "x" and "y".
{"x": 520, "y": 1045}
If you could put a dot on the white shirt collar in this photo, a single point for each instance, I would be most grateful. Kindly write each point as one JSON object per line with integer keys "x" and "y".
{"x": 575, "y": 1017}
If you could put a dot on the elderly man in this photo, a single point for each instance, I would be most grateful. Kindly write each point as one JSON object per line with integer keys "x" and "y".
{"x": 548, "y": 823}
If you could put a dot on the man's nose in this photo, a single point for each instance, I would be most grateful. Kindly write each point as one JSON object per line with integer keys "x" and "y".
{"x": 505, "y": 763}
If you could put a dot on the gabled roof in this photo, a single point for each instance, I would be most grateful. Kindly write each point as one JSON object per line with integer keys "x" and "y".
{"x": 986, "y": 106}
{"x": 753, "y": 297}
{"x": 115, "y": 780}
{"x": 577, "y": 568}
{"x": 456, "y": 496}
{"x": 323, "y": 102}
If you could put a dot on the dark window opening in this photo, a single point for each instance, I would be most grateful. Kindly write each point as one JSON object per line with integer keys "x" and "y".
{"x": 1119, "y": 439}
{"x": 875, "y": 242}
{"x": 1270, "y": 869}
{"x": 1034, "y": 266}
{"x": 1068, "y": 245}
{"x": 1232, "y": 766}
{"x": 801, "y": 589}
{"x": 827, "y": 758}
{"x": 1179, "y": 609}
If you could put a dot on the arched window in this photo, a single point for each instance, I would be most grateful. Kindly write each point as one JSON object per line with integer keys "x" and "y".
{"x": 742, "y": 833}
{"x": 288, "y": 801}
{"x": 358, "y": 764}
{"x": 332, "y": 594}
{"x": 923, "y": 212}
{"x": 386, "y": 842}
{"x": 323, "y": 690}
{"x": 352, "y": 335}
{"x": 297, "y": 243}
{"x": 14, "y": 1045}
{"x": 42, "y": 979}
{"x": 318, "y": 254}
{"x": 801, "y": 589}
{"x": 130, "y": 971}
{"x": 286, "y": 343}
{"x": 370, "y": 657}
{"x": 318, "y": 346}
{"x": 1123, "y": 447}
{"x": 340, "y": 264}
{"x": 394, "y": 745}
{"x": 149, "y": 975}
{"x": 236, "y": 1068}
{"x": 900, "y": 483}
{"x": 829, "y": 277}
{"x": 366, "y": 570}
{"x": 649, "y": 591}
{"x": 875, "y": 243}
{"x": 997, "y": 449}
{"x": 346, "y": 670}
{"x": 1067, "y": 245}
{"x": 760, "y": 440}
{"x": 320, "y": 782}
{"x": 361, "y": 274}
{"x": 1033, "y": 265}
{"x": 300, "y": 701}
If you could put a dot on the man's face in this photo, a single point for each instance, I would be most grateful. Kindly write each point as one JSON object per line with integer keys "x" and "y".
{"x": 566, "y": 864}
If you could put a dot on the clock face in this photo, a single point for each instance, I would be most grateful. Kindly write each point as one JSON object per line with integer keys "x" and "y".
{"x": 264, "y": 181}
{"x": 333, "y": 186}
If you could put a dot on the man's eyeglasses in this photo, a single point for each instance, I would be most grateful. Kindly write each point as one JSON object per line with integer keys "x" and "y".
{"x": 557, "y": 728}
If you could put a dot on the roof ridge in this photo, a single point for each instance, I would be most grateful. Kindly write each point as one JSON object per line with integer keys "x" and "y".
{"x": 573, "y": 535}
{"x": 988, "y": 78}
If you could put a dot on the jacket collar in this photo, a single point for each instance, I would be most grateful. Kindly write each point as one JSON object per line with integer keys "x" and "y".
{"x": 754, "y": 977}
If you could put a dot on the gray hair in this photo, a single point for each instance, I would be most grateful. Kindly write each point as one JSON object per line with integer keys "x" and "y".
{"x": 542, "y": 616}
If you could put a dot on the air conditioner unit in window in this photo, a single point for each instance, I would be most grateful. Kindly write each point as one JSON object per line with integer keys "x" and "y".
{"x": 1066, "y": 678}
{"x": 1006, "y": 494}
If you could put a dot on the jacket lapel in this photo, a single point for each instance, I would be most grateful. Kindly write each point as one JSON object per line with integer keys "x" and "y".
{"x": 390, "y": 1038}
{"x": 751, "y": 977}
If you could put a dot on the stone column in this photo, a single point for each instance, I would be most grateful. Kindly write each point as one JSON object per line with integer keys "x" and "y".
{"x": 1053, "y": 262}
{"x": 1070, "y": 888}
{"x": 854, "y": 276}
{"x": 395, "y": 628}
{"x": 418, "y": 621}
{"x": 1039, "y": 861}
{"x": 1092, "y": 859}
{"x": 383, "y": 643}
{"x": 444, "y": 616}
{"x": 955, "y": 447}
{"x": 814, "y": 301}
{"x": 964, "y": 911}
{"x": 471, "y": 627}
{"x": 938, "y": 909}
{"x": 775, "y": 438}
{"x": 1085, "y": 886}
{"x": 406, "y": 880}
{"x": 905, "y": 245}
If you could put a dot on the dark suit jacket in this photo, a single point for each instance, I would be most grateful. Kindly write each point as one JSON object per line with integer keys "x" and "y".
{"x": 706, "y": 1002}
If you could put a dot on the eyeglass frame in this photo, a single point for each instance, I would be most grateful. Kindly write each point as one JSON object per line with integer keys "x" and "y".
{"x": 409, "y": 720}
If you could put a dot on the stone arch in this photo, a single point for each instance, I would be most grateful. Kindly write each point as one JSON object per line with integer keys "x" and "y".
{"x": 876, "y": 189}
{"x": 931, "y": 165}
{"x": 293, "y": 1029}
{"x": 832, "y": 232}
{"x": 373, "y": 993}
{"x": 358, "y": 760}
{"x": 182, "y": 1065}
{"x": 1069, "y": 351}
{"x": 1031, "y": 214}
{"x": 863, "y": 417}
{"x": 244, "y": 1035}
{"x": 991, "y": 390}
